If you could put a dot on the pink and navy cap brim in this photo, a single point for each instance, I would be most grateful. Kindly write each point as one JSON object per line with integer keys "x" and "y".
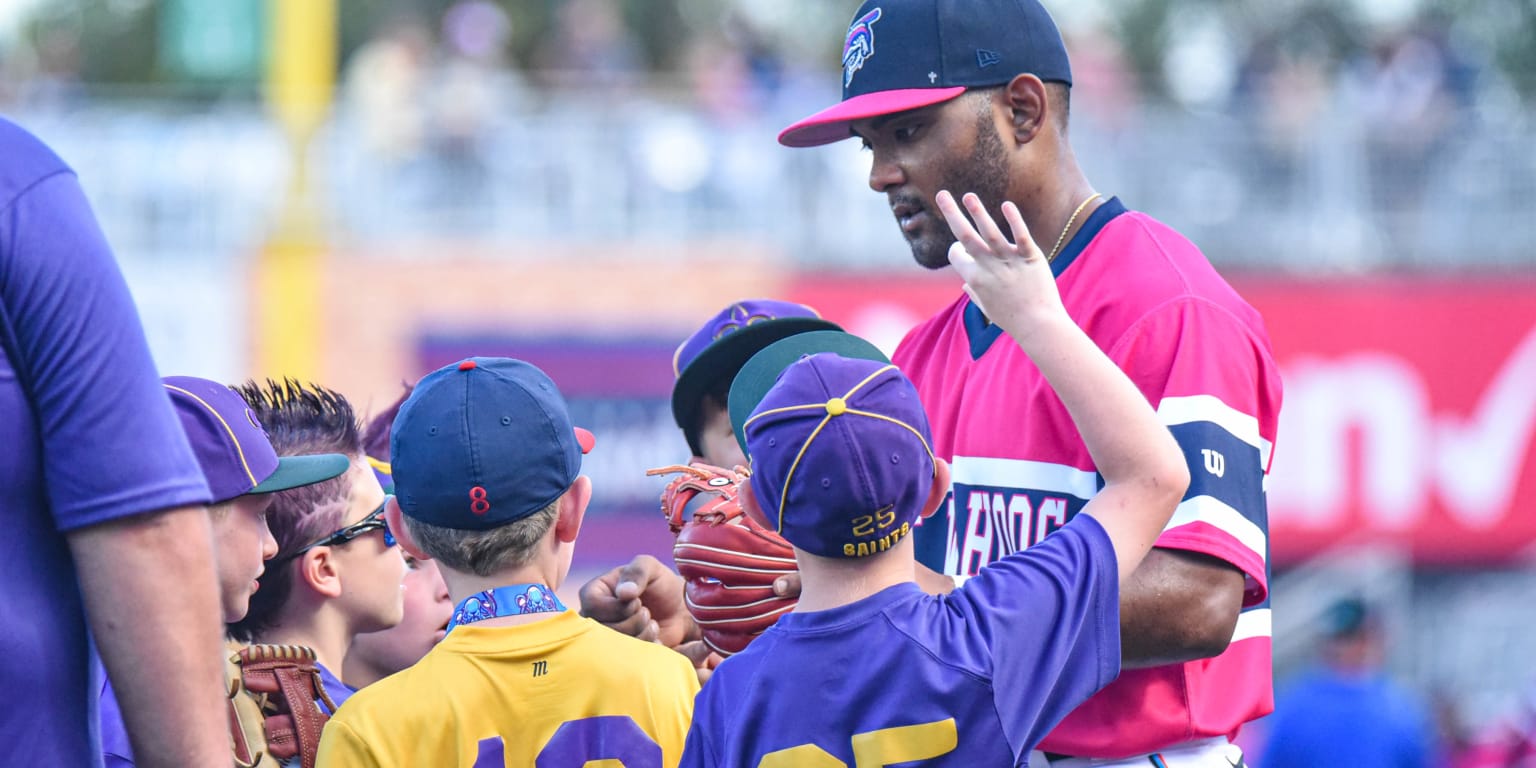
{"x": 835, "y": 123}
{"x": 901, "y": 55}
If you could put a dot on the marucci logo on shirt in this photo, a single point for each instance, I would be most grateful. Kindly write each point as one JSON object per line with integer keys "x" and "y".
{"x": 540, "y": 668}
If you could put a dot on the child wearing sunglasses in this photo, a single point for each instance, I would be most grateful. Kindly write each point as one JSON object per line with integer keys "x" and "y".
{"x": 243, "y": 473}
{"x": 487, "y": 472}
{"x": 337, "y": 573}
{"x": 377, "y": 655}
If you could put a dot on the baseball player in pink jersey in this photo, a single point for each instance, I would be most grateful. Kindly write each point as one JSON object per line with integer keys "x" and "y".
{"x": 973, "y": 96}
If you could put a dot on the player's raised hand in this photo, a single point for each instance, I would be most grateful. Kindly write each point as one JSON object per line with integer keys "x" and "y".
{"x": 1009, "y": 279}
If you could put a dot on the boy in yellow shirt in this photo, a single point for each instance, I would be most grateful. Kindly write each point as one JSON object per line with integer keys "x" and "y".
{"x": 487, "y": 477}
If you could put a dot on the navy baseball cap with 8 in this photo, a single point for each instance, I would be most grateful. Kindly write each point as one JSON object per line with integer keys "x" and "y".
{"x": 842, "y": 458}
{"x": 483, "y": 443}
{"x": 900, "y": 55}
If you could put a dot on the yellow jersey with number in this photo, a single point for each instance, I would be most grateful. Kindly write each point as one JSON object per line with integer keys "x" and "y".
{"x": 562, "y": 691}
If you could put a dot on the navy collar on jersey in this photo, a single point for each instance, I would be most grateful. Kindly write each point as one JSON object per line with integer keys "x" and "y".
{"x": 982, "y": 333}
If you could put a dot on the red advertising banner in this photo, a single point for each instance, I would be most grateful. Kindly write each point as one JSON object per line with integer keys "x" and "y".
{"x": 1410, "y": 406}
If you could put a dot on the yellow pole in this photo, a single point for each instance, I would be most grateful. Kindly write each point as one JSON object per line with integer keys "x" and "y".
{"x": 300, "y": 83}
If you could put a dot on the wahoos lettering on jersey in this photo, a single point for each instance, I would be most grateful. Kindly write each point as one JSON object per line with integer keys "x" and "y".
{"x": 1000, "y": 506}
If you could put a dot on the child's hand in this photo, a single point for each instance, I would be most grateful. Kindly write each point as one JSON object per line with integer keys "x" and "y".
{"x": 1010, "y": 281}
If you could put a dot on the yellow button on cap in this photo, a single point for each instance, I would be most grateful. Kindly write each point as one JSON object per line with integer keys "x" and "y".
{"x": 837, "y": 406}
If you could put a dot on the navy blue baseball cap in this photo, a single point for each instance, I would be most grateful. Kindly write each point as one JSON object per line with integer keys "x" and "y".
{"x": 907, "y": 54}
{"x": 842, "y": 457}
{"x": 483, "y": 443}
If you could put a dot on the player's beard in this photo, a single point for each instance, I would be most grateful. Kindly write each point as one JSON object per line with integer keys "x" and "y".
{"x": 984, "y": 172}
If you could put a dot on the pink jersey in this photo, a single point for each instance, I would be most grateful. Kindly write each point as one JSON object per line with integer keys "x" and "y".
{"x": 1155, "y": 305}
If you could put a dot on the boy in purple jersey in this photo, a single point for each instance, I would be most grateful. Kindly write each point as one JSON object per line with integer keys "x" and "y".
{"x": 337, "y": 572}
{"x": 869, "y": 670}
{"x": 101, "y": 498}
{"x": 975, "y": 95}
{"x": 242, "y": 472}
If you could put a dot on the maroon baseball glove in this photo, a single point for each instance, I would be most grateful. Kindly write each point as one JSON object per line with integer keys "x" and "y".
{"x": 728, "y": 561}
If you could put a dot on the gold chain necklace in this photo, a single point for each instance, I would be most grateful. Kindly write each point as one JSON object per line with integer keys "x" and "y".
{"x": 1068, "y": 228}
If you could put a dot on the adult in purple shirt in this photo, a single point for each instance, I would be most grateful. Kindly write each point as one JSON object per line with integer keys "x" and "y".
{"x": 243, "y": 472}
{"x": 868, "y": 669}
{"x": 100, "y": 497}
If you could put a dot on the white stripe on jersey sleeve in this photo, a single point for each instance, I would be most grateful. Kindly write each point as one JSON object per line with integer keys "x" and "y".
{"x": 1024, "y": 475}
{"x": 1211, "y": 511}
{"x": 1184, "y": 410}
{"x": 1251, "y": 624}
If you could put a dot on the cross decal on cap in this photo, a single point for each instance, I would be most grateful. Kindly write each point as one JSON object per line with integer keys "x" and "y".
{"x": 933, "y": 77}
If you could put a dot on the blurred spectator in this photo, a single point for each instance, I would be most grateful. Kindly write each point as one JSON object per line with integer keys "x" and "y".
{"x": 383, "y": 83}
{"x": 1346, "y": 712}
{"x": 1107, "y": 89}
{"x": 1407, "y": 90}
{"x": 1283, "y": 90}
{"x": 591, "y": 44}
{"x": 468, "y": 86}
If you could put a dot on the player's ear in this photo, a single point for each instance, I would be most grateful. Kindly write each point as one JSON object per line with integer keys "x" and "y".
{"x": 940, "y": 487}
{"x": 573, "y": 507}
{"x": 318, "y": 569}
{"x": 1028, "y": 107}
{"x": 395, "y": 519}
{"x": 748, "y": 501}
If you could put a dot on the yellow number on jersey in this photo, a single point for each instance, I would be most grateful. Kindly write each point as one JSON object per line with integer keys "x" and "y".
{"x": 874, "y": 749}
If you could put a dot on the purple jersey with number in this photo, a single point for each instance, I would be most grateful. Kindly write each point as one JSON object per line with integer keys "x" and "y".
{"x": 973, "y": 678}
{"x": 86, "y": 436}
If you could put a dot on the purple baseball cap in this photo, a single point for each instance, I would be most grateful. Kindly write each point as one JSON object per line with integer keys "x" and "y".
{"x": 233, "y": 449}
{"x": 717, "y": 350}
{"x": 901, "y": 55}
{"x": 842, "y": 462}
{"x": 482, "y": 443}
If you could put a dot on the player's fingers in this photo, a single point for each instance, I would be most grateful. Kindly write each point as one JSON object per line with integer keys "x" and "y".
{"x": 960, "y": 225}
{"x": 962, "y": 260}
{"x": 1026, "y": 244}
{"x": 971, "y": 292}
{"x": 631, "y": 624}
{"x": 787, "y": 585}
{"x": 985, "y": 226}
{"x": 651, "y": 633}
{"x": 598, "y": 598}
{"x": 641, "y": 571}
{"x": 697, "y": 652}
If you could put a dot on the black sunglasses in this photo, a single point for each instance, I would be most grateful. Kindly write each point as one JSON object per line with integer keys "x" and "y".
{"x": 373, "y": 522}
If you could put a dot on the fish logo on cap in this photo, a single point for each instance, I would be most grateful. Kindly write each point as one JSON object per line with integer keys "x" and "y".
{"x": 860, "y": 44}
